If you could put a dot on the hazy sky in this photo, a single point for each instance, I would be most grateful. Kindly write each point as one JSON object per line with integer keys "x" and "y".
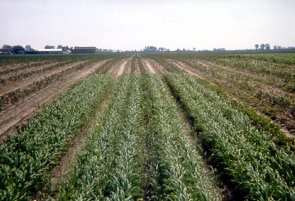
{"x": 133, "y": 24}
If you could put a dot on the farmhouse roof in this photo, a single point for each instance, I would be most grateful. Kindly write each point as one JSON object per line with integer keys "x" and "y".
{"x": 82, "y": 48}
{"x": 49, "y": 50}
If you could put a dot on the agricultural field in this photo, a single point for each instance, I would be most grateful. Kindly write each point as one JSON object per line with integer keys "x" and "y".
{"x": 171, "y": 126}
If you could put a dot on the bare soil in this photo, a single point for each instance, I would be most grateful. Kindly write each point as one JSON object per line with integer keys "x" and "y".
{"x": 148, "y": 67}
{"x": 183, "y": 67}
{"x": 157, "y": 67}
{"x": 15, "y": 116}
{"x": 121, "y": 68}
{"x": 30, "y": 69}
{"x": 118, "y": 68}
{"x": 18, "y": 85}
{"x": 18, "y": 66}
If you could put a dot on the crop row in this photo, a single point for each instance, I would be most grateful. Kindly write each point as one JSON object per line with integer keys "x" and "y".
{"x": 248, "y": 158}
{"x": 21, "y": 59}
{"x": 27, "y": 157}
{"x": 133, "y": 64}
{"x": 271, "y": 73}
{"x": 140, "y": 65}
{"x": 15, "y": 95}
{"x": 106, "y": 67}
{"x": 267, "y": 94}
{"x": 22, "y": 75}
{"x": 139, "y": 150}
{"x": 109, "y": 164}
{"x": 21, "y": 66}
{"x": 282, "y": 58}
{"x": 175, "y": 170}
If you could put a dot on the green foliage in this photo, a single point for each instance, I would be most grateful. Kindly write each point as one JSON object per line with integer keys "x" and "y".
{"x": 26, "y": 157}
{"x": 15, "y": 95}
{"x": 109, "y": 165}
{"x": 175, "y": 169}
{"x": 247, "y": 157}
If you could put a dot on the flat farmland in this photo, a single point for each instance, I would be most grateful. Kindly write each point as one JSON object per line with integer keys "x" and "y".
{"x": 169, "y": 126}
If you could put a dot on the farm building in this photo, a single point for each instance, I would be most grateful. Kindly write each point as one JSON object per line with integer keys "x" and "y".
{"x": 5, "y": 51}
{"x": 84, "y": 50}
{"x": 49, "y": 51}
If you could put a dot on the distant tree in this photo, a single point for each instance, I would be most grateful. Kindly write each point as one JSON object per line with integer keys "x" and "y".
{"x": 49, "y": 47}
{"x": 65, "y": 48}
{"x": 6, "y": 47}
{"x": 256, "y": 46}
{"x": 194, "y": 49}
{"x": 150, "y": 49}
{"x": 267, "y": 46}
{"x": 59, "y": 47}
{"x": 18, "y": 49}
{"x": 262, "y": 46}
{"x": 28, "y": 48}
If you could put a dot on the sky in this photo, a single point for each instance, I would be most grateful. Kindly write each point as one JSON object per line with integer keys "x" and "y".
{"x": 134, "y": 24}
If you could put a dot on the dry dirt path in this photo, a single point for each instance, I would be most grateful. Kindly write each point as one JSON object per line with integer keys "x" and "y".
{"x": 15, "y": 115}
{"x": 148, "y": 67}
{"x": 156, "y": 66}
{"x": 119, "y": 67}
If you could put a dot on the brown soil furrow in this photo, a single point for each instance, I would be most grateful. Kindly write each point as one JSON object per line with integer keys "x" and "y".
{"x": 16, "y": 115}
{"x": 183, "y": 67}
{"x": 19, "y": 85}
{"x": 158, "y": 68}
{"x": 31, "y": 70}
{"x": 127, "y": 68}
{"x": 19, "y": 66}
{"x": 113, "y": 70}
{"x": 121, "y": 68}
{"x": 149, "y": 68}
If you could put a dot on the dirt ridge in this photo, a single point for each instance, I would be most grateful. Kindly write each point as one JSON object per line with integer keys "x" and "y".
{"x": 16, "y": 115}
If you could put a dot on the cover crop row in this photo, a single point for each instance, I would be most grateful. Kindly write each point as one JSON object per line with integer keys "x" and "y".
{"x": 139, "y": 150}
{"x": 26, "y": 157}
{"x": 108, "y": 166}
{"x": 175, "y": 169}
{"x": 256, "y": 168}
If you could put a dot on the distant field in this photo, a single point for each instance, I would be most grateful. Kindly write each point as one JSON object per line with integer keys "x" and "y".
{"x": 170, "y": 126}
{"x": 265, "y": 82}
